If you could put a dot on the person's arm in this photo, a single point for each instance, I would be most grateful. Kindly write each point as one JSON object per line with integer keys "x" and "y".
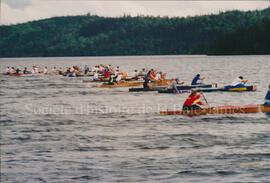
{"x": 175, "y": 88}
{"x": 202, "y": 78}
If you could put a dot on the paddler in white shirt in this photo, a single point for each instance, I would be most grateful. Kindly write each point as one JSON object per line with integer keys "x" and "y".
{"x": 95, "y": 76}
{"x": 239, "y": 81}
{"x": 45, "y": 71}
{"x": 33, "y": 70}
{"x": 54, "y": 69}
{"x": 158, "y": 76}
{"x": 119, "y": 78}
{"x": 134, "y": 75}
{"x": 36, "y": 70}
{"x": 12, "y": 71}
{"x": 7, "y": 70}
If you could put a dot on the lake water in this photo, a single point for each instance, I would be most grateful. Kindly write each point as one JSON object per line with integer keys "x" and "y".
{"x": 59, "y": 129}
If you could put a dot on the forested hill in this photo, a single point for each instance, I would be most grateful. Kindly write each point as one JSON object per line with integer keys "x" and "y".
{"x": 244, "y": 41}
{"x": 142, "y": 35}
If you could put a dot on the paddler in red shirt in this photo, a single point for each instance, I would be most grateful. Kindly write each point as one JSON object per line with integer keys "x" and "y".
{"x": 192, "y": 102}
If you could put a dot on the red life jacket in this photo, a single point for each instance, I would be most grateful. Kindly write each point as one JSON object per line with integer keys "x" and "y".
{"x": 192, "y": 100}
{"x": 106, "y": 74}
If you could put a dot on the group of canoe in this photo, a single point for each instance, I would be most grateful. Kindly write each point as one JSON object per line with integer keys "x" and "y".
{"x": 97, "y": 71}
{"x": 192, "y": 106}
{"x": 152, "y": 80}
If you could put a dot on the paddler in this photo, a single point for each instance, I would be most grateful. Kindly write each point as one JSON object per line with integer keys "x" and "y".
{"x": 106, "y": 72}
{"x": 158, "y": 76}
{"x": 111, "y": 79}
{"x": 119, "y": 78}
{"x": 146, "y": 81}
{"x": 239, "y": 81}
{"x": 142, "y": 72}
{"x": 192, "y": 102}
{"x": 25, "y": 71}
{"x": 33, "y": 70}
{"x": 7, "y": 70}
{"x": 54, "y": 70}
{"x": 135, "y": 74}
{"x": 85, "y": 69}
{"x": 18, "y": 71}
{"x": 60, "y": 71}
{"x": 45, "y": 71}
{"x": 151, "y": 75}
{"x": 12, "y": 71}
{"x": 173, "y": 85}
{"x": 95, "y": 76}
{"x": 267, "y": 98}
{"x": 163, "y": 75}
{"x": 196, "y": 79}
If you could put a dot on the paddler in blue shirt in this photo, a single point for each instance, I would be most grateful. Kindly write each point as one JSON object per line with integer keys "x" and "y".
{"x": 146, "y": 81}
{"x": 196, "y": 79}
{"x": 267, "y": 98}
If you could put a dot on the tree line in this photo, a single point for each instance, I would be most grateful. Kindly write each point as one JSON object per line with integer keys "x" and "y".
{"x": 92, "y": 35}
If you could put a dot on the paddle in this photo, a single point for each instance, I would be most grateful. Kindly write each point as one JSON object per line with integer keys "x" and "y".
{"x": 209, "y": 107}
{"x": 204, "y": 98}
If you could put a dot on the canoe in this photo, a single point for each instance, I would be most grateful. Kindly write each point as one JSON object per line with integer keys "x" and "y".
{"x": 164, "y": 88}
{"x": 18, "y": 75}
{"x": 128, "y": 84}
{"x": 147, "y": 89}
{"x": 222, "y": 89}
{"x": 242, "y": 89}
{"x": 228, "y": 109}
{"x": 15, "y": 74}
{"x": 106, "y": 80}
{"x": 98, "y": 80}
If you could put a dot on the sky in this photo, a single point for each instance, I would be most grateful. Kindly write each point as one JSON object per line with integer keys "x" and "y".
{"x": 20, "y": 11}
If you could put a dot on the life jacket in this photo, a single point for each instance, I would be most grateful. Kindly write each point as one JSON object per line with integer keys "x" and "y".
{"x": 111, "y": 80}
{"x": 191, "y": 100}
{"x": 106, "y": 74}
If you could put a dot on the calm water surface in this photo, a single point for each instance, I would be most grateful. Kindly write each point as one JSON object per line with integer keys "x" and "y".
{"x": 58, "y": 129}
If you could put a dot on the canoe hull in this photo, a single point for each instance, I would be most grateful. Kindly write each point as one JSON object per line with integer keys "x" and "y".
{"x": 164, "y": 88}
{"x": 105, "y": 80}
{"x": 128, "y": 84}
{"x": 221, "y": 110}
{"x": 243, "y": 89}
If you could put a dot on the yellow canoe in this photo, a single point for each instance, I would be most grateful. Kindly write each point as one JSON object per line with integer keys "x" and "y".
{"x": 128, "y": 84}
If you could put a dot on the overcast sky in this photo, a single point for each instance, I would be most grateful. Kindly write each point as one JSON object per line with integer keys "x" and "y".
{"x": 19, "y": 11}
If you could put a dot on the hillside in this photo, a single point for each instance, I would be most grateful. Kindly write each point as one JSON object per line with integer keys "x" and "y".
{"x": 142, "y": 35}
{"x": 244, "y": 41}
